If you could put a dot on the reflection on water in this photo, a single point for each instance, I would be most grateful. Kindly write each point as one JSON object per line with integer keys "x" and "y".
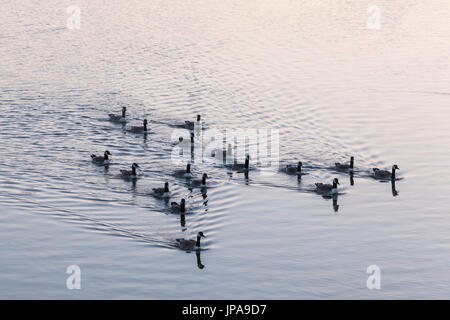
{"x": 330, "y": 87}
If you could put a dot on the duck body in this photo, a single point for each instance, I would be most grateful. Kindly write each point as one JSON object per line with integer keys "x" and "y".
{"x": 139, "y": 129}
{"x": 345, "y": 166}
{"x": 241, "y": 166}
{"x": 293, "y": 169}
{"x": 385, "y": 174}
{"x": 101, "y": 160}
{"x": 178, "y": 208}
{"x": 326, "y": 188}
{"x": 130, "y": 174}
{"x": 225, "y": 155}
{"x": 162, "y": 192}
{"x": 118, "y": 118}
{"x": 184, "y": 173}
{"x": 186, "y": 144}
{"x": 199, "y": 182}
{"x": 190, "y": 125}
{"x": 189, "y": 245}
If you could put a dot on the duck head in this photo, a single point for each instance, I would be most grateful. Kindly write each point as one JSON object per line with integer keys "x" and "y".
{"x": 394, "y": 167}
{"x": 335, "y": 183}
{"x": 133, "y": 168}
{"x": 199, "y": 235}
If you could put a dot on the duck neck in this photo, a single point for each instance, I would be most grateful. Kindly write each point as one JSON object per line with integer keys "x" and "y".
{"x": 204, "y": 180}
{"x": 334, "y": 185}
{"x": 166, "y": 188}
{"x": 393, "y": 174}
{"x": 299, "y": 168}
{"x": 198, "y": 241}
{"x": 182, "y": 207}
{"x": 351, "y": 163}
{"x": 106, "y": 156}
{"x": 133, "y": 170}
{"x": 145, "y": 126}
{"x": 123, "y": 113}
{"x": 188, "y": 168}
{"x": 246, "y": 163}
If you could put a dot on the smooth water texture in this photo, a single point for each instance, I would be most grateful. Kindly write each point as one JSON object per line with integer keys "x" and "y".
{"x": 332, "y": 86}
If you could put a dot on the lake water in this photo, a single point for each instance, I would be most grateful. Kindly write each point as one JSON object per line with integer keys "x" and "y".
{"x": 333, "y": 84}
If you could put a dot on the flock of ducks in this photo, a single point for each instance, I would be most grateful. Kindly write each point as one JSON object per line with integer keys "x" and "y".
{"x": 324, "y": 189}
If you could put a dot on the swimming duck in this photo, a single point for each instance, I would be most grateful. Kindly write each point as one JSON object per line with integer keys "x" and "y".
{"x": 293, "y": 168}
{"x": 118, "y": 118}
{"x": 139, "y": 129}
{"x": 130, "y": 174}
{"x": 326, "y": 188}
{"x": 162, "y": 192}
{"x": 178, "y": 208}
{"x": 241, "y": 166}
{"x": 100, "y": 159}
{"x": 385, "y": 174}
{"x": 222, "y": 154}
{"x": 188, "y": 245}
{"x": 184, "y": 173}
{"x": 345, "y": 166}
{"x": 199, "y": 183}
{"x": 190, "y": 125}
{"x": 182, "y": 143}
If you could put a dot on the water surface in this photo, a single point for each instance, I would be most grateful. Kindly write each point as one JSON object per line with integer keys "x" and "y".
{"x": 314, "y": 71}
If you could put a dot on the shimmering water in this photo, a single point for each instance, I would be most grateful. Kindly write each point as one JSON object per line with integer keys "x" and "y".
{"x": 311, "y": 69}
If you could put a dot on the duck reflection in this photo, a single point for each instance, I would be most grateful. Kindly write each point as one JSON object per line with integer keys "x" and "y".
{"x": 334, "y": 197}
{"x": 352, "y": 180}
{"x": 183, "y": 221}
{"x": 335, "y": 203}
{"x": 199, "y": 261}
{"x": 394, "y": 190}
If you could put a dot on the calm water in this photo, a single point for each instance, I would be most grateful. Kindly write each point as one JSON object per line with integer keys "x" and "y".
{"x": 314, "y": 71}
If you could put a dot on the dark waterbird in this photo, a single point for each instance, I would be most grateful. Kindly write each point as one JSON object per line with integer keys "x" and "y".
{"x": 100, "y": 159}
{"x": 345, "y": 166}
{"x": 385, "y": 174}
{"x": 178, "y": 208}
{"x": 139, "y": 129}
{"x": 130, "y": 174}
{"x": 293, "y": 168}
{"x": 184, "y": 173}
{"x": 118, "y": 118}
{"x": 326, "y": 188}
{"x": 189, "y": 245}
{"x": 199, "y": 182}
{"x": 190, "y": 125}
{"x": 241, "y": 166}
{"x": 162, "y": 192}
